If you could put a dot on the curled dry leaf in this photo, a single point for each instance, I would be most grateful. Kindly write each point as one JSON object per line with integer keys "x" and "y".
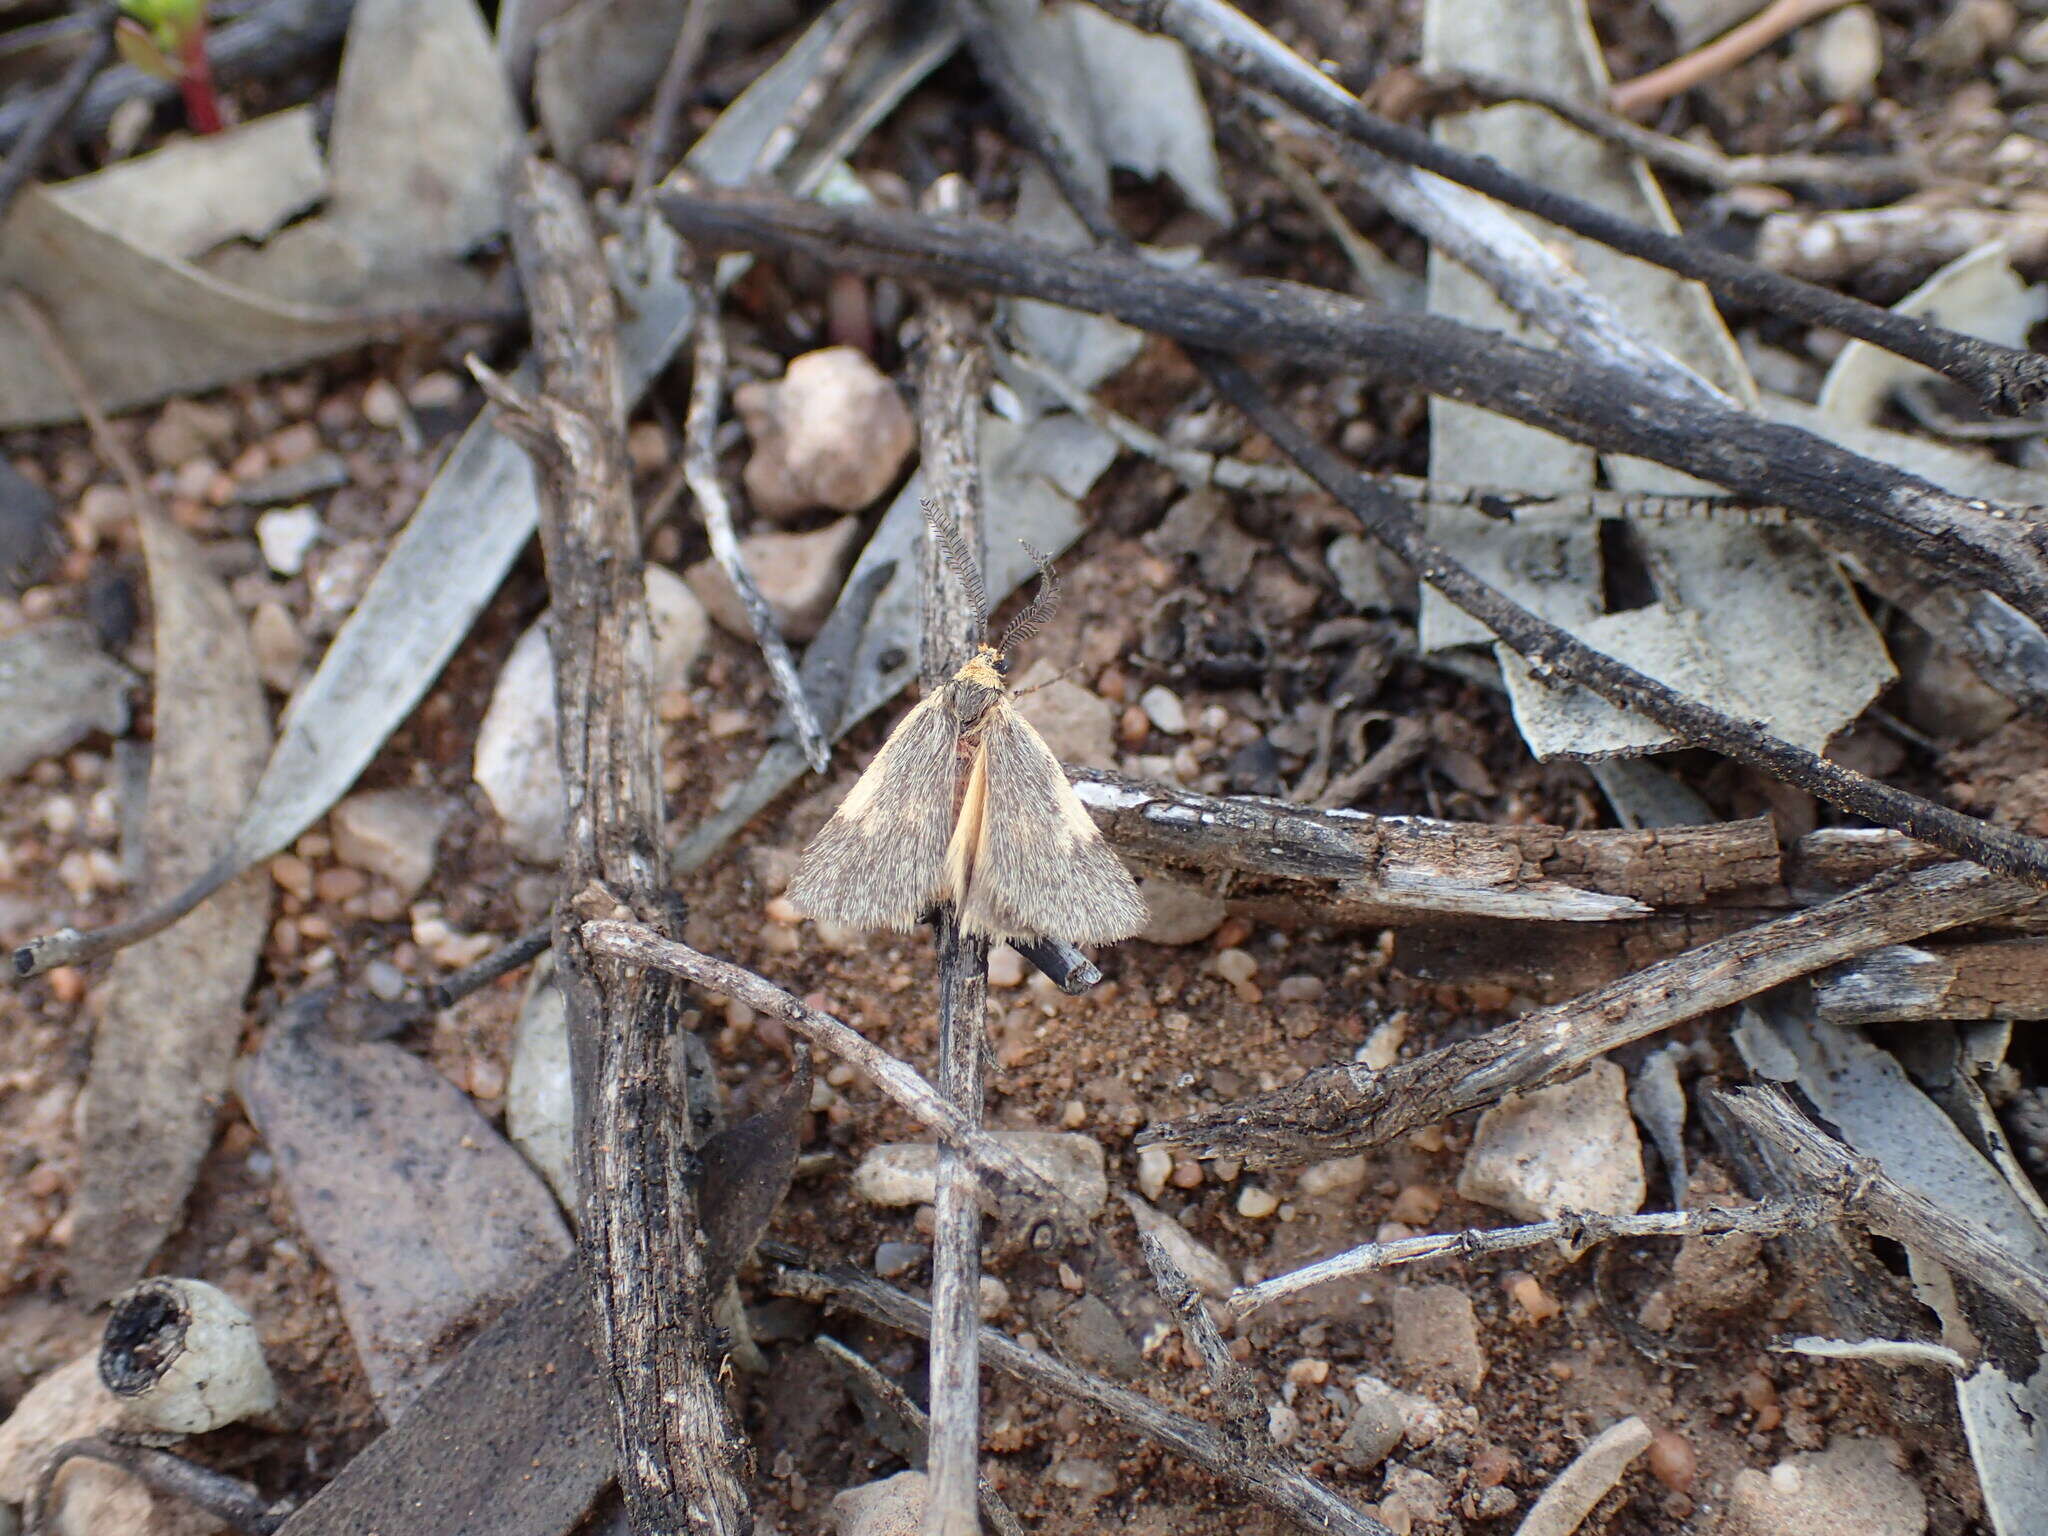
{"x": 166, "y": 1043}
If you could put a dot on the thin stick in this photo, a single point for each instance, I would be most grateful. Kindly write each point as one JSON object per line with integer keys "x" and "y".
{"x": 1231, "y": 1382}
{"x": 700, "y": 468}
{"x": 1348, "y": 1108}
{"x": 2004, "y": 377}
{"x": 1574, "y": 1231}
{"x": 1278, "y": 1486}
{"x": 54, "y": 107}
{"x": 903, "y": 1426}
{"x": 1718, "y": 57}
{"x": 1699, "y": 161}
{"x": 225, "y": 1498}
{"x": 951, "y": 378}
{"x": 681, "y": 1453}
{"x": 1021, "y": 1194}
{"x": 657, "y": 134}
{"x": 1885, "y": 1206}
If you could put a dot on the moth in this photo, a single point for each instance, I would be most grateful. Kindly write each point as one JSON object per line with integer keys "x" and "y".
{"x": 966, "y": 804}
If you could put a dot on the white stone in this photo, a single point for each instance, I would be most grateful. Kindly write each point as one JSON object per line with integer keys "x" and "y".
{"x": 1164, "y": 709}
{"x": 798, "y": 575}
{"x": 1208, "y": 1273}
{"x": 892, "y": 1507}
{"x": 1844, "y": 53}
{"x": 1436, "y": 1333}
{"x": 1079, "y": 726}
{"x": 517, "y": 764}
{"x": 1853, "y": 1485}
{"x": 1154, "y": 1166}
{"x": 1178, "y": 914}
{"x": 1332, "y": 1177}
{"x": 907, "y": 1172}
{"x": 391, "y": 833}
{"x": 286, "y": 536}
{"x": 540, "y": 1106}
{"x": 834, "y": 432}
{"x": 1572, "y": 1147}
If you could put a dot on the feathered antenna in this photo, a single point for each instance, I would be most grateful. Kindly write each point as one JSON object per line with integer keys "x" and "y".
{"x": 961, "y": 559}
{"x": 1043, "y": 606}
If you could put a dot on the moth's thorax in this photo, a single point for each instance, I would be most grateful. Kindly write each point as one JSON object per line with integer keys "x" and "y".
{"x": 975, "y": 686}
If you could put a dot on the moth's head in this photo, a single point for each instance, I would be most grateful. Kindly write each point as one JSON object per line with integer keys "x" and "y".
{"x": 987, "y": 668}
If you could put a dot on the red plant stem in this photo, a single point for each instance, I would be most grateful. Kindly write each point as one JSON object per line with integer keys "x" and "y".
{"x": 195, "y": 81}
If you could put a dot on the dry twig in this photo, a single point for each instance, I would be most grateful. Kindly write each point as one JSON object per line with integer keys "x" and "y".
{"x": 951, "y": 379}
{"x": 700, "y": 469}
{"x": 1350, "y": 1107}
{"x": 682, "y": 1457}
{"x": 54, "y": 107}
{"x": 1574, "y": 1231}
{"x": 1874, "y": 1199}
{"x": 1718, "y": 57}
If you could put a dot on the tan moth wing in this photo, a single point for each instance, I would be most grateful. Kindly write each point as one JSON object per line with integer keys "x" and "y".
{"x": 880, "y": 862}
{"x": 1040, "y": 868}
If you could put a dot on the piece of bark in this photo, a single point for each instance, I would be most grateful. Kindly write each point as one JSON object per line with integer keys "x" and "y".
{"x": 512, "y": 1440}
{"x": 1353, "y": 868}
{"x": 165, "y": 1047}
{"x": 683, "y": 1456}
{"x": 1994, "y": 979}
{"x": 1350, "y": 1107}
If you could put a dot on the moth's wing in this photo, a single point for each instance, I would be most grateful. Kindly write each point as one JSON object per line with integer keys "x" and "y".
{"x": 880, "y": 861}
{"x": 1041, "y": 869}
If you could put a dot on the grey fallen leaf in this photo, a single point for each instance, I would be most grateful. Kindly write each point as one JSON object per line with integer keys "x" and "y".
{"x": 747, "y": 1169}
{"x": 165, "y": 1045}
{"x": 181, "y": 201}
{"x": 140, "y": 326}
{"x": 428, "y": 1221}
{"x": 1726, "y": 593}
{"x": 1657, "y": 1099}
{"x": 1866, "y": 1096}
{"x": 425, "y": 130}
{"x": 480, "y": 509}
{"x": 56, "y": 688}
{"x": 1149, "y": 113}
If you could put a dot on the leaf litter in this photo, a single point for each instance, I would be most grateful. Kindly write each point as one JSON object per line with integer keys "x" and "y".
{"x": 1032, "y": 453}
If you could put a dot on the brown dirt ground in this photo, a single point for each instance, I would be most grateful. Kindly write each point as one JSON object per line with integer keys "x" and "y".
{"x": 1164, "y": 1034}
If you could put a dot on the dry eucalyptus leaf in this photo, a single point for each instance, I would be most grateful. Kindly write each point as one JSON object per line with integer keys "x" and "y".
{"x": 427, "y": 1219}
{"x": 165, "y": 1046}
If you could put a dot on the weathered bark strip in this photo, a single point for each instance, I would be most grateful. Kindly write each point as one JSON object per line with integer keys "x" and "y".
{"x": 682, "y": 1458}
{"x": 1885, "y": 1206}
{"x": 1265, "y": 1478}
{"x": 1604, "y": 407}
{"x": 952, "y": 374}
{"x": 1349, "y": 1107}
{"x": 1996, "y": 979}
{"x": 1213, "y": 30}
{"x": 1353, "y": 868}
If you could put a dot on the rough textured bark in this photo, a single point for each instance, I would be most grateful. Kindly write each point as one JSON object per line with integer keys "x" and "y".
{"x": 1350, "y": 1107}
{"x": 682, "y": 1458}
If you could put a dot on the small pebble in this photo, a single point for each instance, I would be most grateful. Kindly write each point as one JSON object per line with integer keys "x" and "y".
{"x": 1005, "y": 967}
{"x": 1537, "y": 1304}
{"x": 1309, "y": 1372}
{"x": 1162, "y": 706}
{"x": 1299, "y": 989}
{"x": 383, "y": 405}
{"x": 1155, "y": 1164}
{"x": 1187, "y": 1174}
{"x": 1331, "y": 1177}
{"x": 832, "y": 432}
{"x": 995, "y": 1298}
{"x": 385, "y": 981}
{"x": 1416, "y": 1205}
{"x": 1133, "y": 726}
{"x": 293, "y": 875}
{"x": 279, "y": 648}
{"x": 781, "y": 909}
{"x": 1236, "y": 966}
{"x": 894, "y": 1260}
{"x": 1255, "y": 1202}
{"x": 1673, "y": 1462}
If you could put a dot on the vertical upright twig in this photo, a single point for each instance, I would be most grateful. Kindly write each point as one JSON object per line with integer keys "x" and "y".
{"x": 681, "y": 1455}
{"x": 700, "y": 469}
{"x": 950, "y": 383}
